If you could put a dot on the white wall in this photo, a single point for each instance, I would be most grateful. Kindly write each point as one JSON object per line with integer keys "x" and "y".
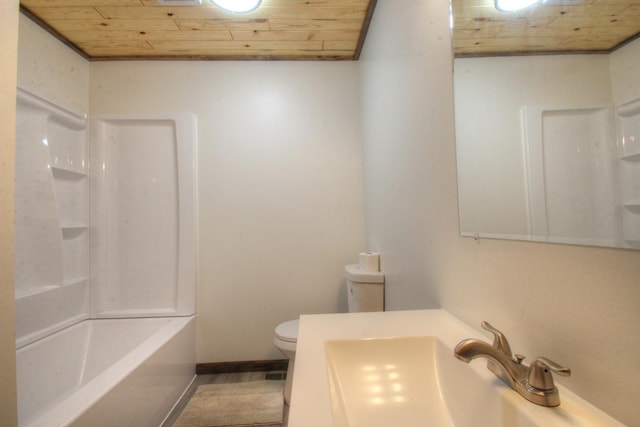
{"x": 8, "y": 67}
{"x": 410, "y": 180}
{"x": 51, "y": 70}
{"x": 575, "y": 305}
{"x": 625, "y": 84}
{"x": 280, "y": 186}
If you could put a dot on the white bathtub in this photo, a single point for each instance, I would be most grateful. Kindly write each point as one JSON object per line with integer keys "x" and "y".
{"x": 106, "y": 372}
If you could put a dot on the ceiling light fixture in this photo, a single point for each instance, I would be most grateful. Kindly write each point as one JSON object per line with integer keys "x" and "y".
{"x": 237, "y": 6}
{"x": 513, "y": 5}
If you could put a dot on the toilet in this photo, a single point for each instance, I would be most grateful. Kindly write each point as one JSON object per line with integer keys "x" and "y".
{"x": 365, "y": 292}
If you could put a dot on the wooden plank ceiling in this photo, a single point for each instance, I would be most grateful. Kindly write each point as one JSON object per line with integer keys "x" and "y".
{"x": 322, "y": 29}
{"x": 278, "y": 29}
{"x": 553, "y": 26}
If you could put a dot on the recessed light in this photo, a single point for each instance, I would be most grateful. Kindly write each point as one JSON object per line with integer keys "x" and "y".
{"x": 237, "y": 6}
{"x": 513, "y": 5}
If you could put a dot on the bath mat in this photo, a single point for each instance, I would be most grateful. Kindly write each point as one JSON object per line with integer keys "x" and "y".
{"x": 234, "y": 404}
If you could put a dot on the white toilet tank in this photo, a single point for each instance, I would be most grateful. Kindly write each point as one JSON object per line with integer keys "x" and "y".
{"x": 365, "y": 289}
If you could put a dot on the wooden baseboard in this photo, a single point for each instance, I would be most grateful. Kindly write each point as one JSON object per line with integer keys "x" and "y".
{"x": 246, "y": 366}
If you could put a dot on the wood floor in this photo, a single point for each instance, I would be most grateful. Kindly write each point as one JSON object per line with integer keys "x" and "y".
{"x": 222, "y": 379}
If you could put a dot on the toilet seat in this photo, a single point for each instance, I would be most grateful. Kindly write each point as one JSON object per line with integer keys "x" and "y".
{"x": 288, "y": 331}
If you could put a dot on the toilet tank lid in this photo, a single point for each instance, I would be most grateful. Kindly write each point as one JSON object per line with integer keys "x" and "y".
{"x": 354, "y": 273}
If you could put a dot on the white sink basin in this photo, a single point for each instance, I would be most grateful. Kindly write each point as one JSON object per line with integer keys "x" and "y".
{"x": 416, "y": 381}
{"x": 386, "y": 381}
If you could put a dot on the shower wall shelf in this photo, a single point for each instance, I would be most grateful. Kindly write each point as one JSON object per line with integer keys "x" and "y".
{"x": 68, "y": 173}
{"x": 633, "y": 157}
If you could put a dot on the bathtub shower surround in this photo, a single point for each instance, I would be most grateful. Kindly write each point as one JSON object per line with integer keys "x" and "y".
{"x": 95, "y": 244}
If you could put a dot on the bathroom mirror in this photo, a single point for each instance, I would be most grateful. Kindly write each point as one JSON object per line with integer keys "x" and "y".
{"x": 547, "y": 112}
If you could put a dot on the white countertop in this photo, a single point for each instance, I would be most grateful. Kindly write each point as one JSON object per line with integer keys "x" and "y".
{"x": 311, "y": 400}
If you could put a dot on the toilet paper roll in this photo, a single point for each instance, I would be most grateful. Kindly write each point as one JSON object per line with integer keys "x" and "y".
{"x": 369, "y": 261}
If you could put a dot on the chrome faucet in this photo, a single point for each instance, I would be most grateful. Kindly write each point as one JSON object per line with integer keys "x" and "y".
{"x": 534, "y": 382}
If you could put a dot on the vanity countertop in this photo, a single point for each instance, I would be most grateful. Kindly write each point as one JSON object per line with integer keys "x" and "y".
{"x": 311, "y": 399}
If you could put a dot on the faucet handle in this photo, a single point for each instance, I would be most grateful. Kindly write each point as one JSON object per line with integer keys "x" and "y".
{"x": 540, "y": 376}
{"x": 499, "y": 340}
